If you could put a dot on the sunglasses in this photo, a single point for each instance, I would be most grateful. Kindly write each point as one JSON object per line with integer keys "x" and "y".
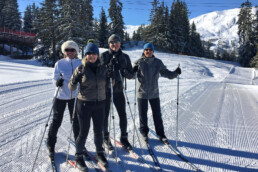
{"x": 114, "y": 42}
{"x": 148, "y": 49}
{"x": 70, "y": 50}
{"x": 91, "y": 53}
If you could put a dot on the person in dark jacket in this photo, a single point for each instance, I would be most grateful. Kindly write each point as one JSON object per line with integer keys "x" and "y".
{"x": 148, "y": 68}
{"x": 115, "y": 59}
{"x": 91, "y": 102}
{"x": 63, "y": 71}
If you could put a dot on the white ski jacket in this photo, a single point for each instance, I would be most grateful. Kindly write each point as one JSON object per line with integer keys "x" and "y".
{"x": 65, "y": 67}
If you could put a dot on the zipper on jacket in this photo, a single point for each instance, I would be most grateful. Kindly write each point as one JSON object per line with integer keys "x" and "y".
{"x": 72, "y": 75}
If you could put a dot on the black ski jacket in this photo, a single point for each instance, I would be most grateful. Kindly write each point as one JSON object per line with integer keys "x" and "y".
{"x": 125, "y": 68}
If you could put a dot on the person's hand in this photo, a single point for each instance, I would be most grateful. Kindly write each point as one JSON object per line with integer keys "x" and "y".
{"x": 77, "y": 78}
{"x": 178, "y": 70}
{"x": 60, "y": 82}
{"x": 135, "y": 68}
{"x": 114, "y": 62}
{"x": 110, "y": 73}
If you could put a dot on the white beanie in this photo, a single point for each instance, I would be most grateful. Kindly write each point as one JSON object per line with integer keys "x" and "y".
{"x": 70, "y": 44}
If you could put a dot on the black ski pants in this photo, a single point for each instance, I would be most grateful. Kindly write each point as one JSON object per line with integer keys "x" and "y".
{"x": 119, "y": 102}
{"x": 156, "y": 113}
{"x": 87, "y": 110}
{"x": 58, "y": 110}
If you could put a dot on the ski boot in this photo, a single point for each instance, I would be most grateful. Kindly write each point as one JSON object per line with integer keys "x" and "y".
{"x": 102, "y": 159}
{"x": 108, "y": 144}
{"x": 125, "y": 143}
{"x": 80, "y": 163}
{"x": 164, "y": 139}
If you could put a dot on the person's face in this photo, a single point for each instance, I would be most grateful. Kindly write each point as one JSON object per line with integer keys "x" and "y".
{"x": 148, "y": 52}
{"x": 70, "y": 53}
{"x": 92, "y": 57}
{"x": 115, "y": 45}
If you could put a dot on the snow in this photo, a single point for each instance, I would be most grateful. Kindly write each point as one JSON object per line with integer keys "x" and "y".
{"x": 218, "y": 117}
{"x": 220, "y": 27}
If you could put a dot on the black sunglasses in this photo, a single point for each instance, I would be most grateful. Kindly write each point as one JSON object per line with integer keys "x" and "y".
{"x": 114, "y": 42}
{"x": 70, "y": 50}
{"x": 91, "y": 53}
{"x": 148, "y": 49}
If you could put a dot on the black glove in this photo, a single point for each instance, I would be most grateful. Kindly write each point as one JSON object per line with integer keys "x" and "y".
{"x": 178, "y": 70}
{"x": 110, "y": 73}
{"x": 77, "y": 78}
{"x": 114, "y": 62}
{"x": 60, "y": 82}
{"x": 135, "y": 68}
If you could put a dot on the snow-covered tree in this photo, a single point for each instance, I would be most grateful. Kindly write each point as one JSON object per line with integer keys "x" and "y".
{"x": 102, "y": 31}
{"x": 47, "y": 28}
{"x": 115, "y": 14}
{"x": 247, "y": 49}
{"x": 12, "y": 17}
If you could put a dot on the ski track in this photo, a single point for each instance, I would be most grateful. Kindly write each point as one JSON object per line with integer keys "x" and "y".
{"x": 217, "y": 132}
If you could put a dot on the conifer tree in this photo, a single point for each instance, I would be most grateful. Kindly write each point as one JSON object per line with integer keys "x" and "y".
{"x": 12, "y": 16}
{"x": 178, "y": 27}
{"x": 85, "y": 23}
{"x": 102, "y": 31}
{"x": 69, "y": 24}
{"x": 247, "y": 49}
{"x": 195, "y": 44}
{"x": 47, "y": 32}
{"x": 115, "y": 14}
{"x": 28, "y": 19}
{"x": 2, "y": 5}
{"x": 35, "y": 18}
{"x": 151, "y": 31}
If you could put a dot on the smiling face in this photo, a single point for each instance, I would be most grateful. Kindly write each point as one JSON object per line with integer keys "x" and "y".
{"x": 91, "y": 57}
{"x": 115, "y": 45}
{"x": 70, "y": 53}
{"x": 148, "y": 52}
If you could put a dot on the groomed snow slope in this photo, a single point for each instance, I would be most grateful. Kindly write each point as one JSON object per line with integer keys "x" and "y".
{"x": 218, "y": 117}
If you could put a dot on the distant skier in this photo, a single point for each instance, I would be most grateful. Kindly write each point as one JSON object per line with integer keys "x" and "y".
{"x": 148, "y": 68}
{"x": 114, "y": 57}
{"x": 91, "y": 102}
{"x": 63, "y": 71}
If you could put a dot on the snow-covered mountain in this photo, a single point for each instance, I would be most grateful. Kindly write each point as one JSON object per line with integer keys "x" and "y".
{"x": 220, "y": 27}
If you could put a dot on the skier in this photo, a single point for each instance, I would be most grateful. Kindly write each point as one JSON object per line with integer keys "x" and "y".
{"x": 148, "y": 68}
{"x": 115, "y": 58}
{"x": 63, "y": 71}
{"x": 91, "y": 102}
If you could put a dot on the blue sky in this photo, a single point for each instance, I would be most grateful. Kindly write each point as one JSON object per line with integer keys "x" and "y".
{"x": 137, "y": 12}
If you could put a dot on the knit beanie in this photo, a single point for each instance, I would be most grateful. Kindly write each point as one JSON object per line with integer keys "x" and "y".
{"x": 91, "y": 48}
{"x": 70, "y": 44}
{"x": 148, "y": 45}
{"x": 113, "y": 37}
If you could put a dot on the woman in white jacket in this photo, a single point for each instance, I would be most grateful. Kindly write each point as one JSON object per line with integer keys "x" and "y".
{"x": 63, "y": 71}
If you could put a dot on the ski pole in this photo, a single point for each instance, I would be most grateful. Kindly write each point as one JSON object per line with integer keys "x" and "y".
{"x": 74, "y": 110}
{"x": 177, "y": 103}
{"x": 130, "y": 109}
{"x": 112, "y": 113}
{"x": 135, "y": 84}
{"x": 46, "y": 126}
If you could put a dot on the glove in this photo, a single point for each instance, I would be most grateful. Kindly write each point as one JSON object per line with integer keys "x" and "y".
{"x": 77, "y": 78}
{"x": 178, "y": 70}
{"x": 135, "y": 68}
{"x": 60, "y": 82}
{"x": 110, "y": 73}
{"x": 114, "y": 62}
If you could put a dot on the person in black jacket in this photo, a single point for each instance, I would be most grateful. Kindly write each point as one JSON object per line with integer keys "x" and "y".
{"x": 115, "y": 59}
{"x": 91, "y": 102}
{"x": 148, "y": 69}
